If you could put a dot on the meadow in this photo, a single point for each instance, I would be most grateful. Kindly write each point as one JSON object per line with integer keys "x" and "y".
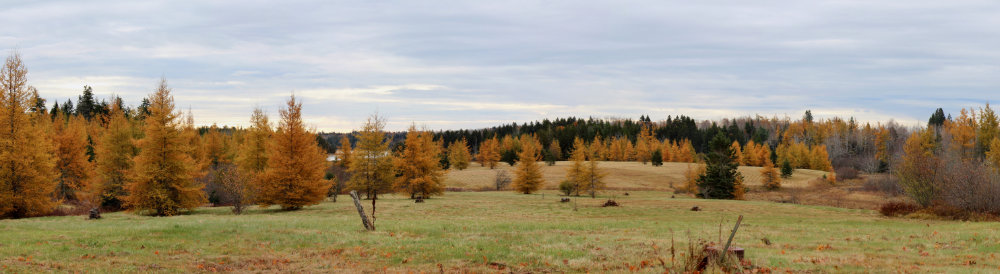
{"x": 493, "y": 231}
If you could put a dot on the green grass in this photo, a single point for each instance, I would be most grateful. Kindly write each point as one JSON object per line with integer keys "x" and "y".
{"x": 472, "y": 230}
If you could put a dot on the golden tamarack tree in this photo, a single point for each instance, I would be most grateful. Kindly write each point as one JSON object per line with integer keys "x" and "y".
{"x": 575, "y": 173}
{"x": 252, "y": 156}
{"x": 458, "y": 154}
{"x": 770, "y": 177}
{"x": 295, "y": 165}
{"x": 528, "y": 175}
{"x": 27, "y": 167}
{"x": 344, "y": 152}
{"x": 418, "y": 166}
{"x": 489, "y": 153}
{"x": 371, "y": 161}
{"x": 593, "y": 178}
{"x": 163, "y": 178}
{"x": 115, "y": 150}
{"x": 75, "y": 172}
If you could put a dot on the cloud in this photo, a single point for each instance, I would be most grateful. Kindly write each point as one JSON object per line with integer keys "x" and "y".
{"x": 460, "y": 64}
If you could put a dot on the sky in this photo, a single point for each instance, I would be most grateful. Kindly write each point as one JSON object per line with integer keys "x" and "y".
{"x": 474, "y": 64}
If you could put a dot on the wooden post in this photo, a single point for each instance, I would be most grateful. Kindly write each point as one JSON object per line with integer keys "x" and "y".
{"x": 725, "y": 249}
{"x": 361, "y": 211}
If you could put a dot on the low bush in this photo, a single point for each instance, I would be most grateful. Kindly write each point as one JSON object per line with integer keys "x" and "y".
{"x": 567, "y": 187}
{"x": 893, "y": 209}
{"x": 884, "y": 183}
{"x": 846, "y": 173}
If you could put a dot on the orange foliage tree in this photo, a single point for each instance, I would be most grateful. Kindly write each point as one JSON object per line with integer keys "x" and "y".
{"x": 75, "y": 172}
{"x": 489, "y": 153}
{"x": 295, "y": 165}
{"x": 528, "y": 175}
{"x": 27, "y": 167}
{"x": 418, "y": 166}
{"x": 163, "y": 178}
{"x": 115, "y": 151}
{"x": 458, "y": 154}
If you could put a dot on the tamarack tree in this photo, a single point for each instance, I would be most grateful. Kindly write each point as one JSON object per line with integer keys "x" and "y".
{"x": 163, "y": 177}
{"x": 528, "y": 175}
{"x": 75, "y": 171}
{"x": 418, "y": 168}
{"x": 458, "y": 154}
{"x": 296, "y": 164}
{"x": 27, "y": 167}
{"x": 371, "y": 164}
{"x": 115, "y": 151}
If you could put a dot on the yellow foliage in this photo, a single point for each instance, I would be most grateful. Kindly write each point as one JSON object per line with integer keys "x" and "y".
{"x": 770, "y": 177}
{"x": 27, "y": 166}
{"x": 458, "y": 154}
{"x": 993, "y": 155}
{"x": 691, "y": 175}
{"x": 737, "y": 153}
{"x": 295, "y": 165}
{"x": 344, "y": 152}
{"x": 963, "y": 132}
{"x": 371, "y": 162}
{"x": 592, "y": 178}
{"x": 528, "y": 177}
{"x": 418, "y": 165}
{"x": 819, "y": 159}
{"x": 575, "y": 172}
{"x": 163, "y": 178}
{"x": 489, "y": 153}
{"x": 253, "y": 154}
{"x": 75, "y": 172}
{"x": 115, "y": 150}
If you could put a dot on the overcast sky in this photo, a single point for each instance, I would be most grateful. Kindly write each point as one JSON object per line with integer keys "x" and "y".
{"x": 471, "y": 64}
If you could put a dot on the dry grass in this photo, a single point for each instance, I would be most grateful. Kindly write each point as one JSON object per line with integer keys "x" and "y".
{"x": 621, "y": 176}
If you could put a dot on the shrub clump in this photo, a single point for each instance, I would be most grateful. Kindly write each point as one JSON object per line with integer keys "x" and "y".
{"x": 893, "y": 209}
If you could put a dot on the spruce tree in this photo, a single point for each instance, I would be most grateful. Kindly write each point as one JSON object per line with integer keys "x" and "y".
{"x": 721, "y": 175}
{"x": 786, "y": 169}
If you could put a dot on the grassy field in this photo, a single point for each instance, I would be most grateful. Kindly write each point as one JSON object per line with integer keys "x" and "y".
{"x": 484, "y": 231}
{"x": 621, "y": 176}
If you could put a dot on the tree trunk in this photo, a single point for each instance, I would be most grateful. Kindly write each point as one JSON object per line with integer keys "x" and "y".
{"x": 361, "y": 211}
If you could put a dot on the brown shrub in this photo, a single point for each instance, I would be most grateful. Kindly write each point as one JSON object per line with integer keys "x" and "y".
{"x": 884, "y": 183}
{"x": 846, "y": 173}
{"x": 893, "y": 209}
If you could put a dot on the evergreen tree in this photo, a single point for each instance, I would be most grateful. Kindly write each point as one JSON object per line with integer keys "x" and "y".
{"x": 27, "y": 166}
{"x": 786, "y": 169}
{"x": 114, "y": 159}
{"x": 86, "y": 106}
{"x": 937, "y": 119}
{"x": 295, "y": 164}
{"x": 418, "y": 169}
{"x": 721, "y": 175}
{"x": 163, "y": 180}
{"x": 657, "y": 158}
